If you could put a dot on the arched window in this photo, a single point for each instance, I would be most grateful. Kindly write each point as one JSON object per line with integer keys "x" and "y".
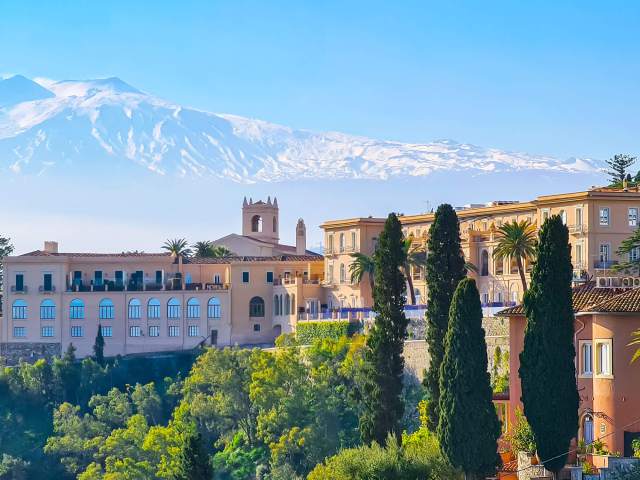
{"x": 135, "y": 309}
{"x": 484, "y": 263}
{"x": 256, "y": 307}
{"x": 47, "y": 310}
{"x": 256, "y": 223}
{"x": 193, "y": 308}
{"x": 276, "y": 311}
{"x": 287, "y": 304}
{"x": 173, "y": 308}
{"x": 19, "y": 310}
{"x": 153, "y": 308}
{"x": 76, "y": 309}
{"x": 343, "y": 273}
{"x": 587, "y": 429}
{"x": 105, "y": 309}
{"x": 213, "y": 308}
{"x": 275, "y": 224}
{"x": 280, "y": 305}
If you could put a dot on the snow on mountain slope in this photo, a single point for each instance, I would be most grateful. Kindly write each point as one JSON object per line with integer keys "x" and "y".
{"x": 103, "y": 122}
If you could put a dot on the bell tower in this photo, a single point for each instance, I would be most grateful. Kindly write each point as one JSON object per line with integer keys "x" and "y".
{"x": 260, "y": 220}
{"x": 301, "y": 238}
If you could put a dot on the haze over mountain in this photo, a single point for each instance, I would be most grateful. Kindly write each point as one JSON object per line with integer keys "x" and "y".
{"x": 70, "y": 126}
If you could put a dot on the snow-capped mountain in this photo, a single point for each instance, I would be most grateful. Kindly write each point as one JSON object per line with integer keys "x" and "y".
{"x": 46, "y": 125}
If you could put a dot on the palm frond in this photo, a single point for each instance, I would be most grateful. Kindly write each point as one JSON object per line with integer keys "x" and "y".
{"x": 636, "y": 341}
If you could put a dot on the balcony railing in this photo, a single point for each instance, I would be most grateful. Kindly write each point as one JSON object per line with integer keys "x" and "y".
{"x": 46, "y": 288}
{"x": 604, "y": 264}
{"x": 577, "y": 229}
{"x": 15, "y": 289}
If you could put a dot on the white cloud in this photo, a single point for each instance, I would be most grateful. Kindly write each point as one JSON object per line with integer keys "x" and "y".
{"x": 44, "y": 81}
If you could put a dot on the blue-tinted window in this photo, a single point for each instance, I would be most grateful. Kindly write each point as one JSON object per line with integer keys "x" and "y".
{"x": 269, "y": 277}
{"x": 245, "y": 277}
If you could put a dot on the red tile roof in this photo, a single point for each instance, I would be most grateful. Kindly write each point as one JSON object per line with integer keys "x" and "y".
{"x": 242, "y": 259}
{"x": 625, "y": 302}
{"x": 584, "y": 297}
{"x": 42, "y": 253}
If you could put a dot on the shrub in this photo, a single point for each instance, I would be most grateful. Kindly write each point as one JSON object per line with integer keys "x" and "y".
{"x": 635, "y": 445}
{"x": 419, "y": 457}
{"x": 308, "y": 332}
{"x": 521, "y": 437}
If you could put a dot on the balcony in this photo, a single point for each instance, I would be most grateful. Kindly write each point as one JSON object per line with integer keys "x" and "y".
{"x": 216, "y": 286}
{"x": 577, "y": 229}
{"x": 22, "y": 289}
{"x": 46, "y": 289}
{"x": 604, "y": 264}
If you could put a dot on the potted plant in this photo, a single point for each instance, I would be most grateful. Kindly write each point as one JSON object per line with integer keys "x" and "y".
{"x": 523, "y": 441}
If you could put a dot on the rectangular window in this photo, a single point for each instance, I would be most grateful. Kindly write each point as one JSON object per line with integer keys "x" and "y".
{"x": 245, "y": 277}
{"x": 97, "y": 278}
{"x": 604, "y": 357}
{"x": 153, "y": 310}
{"x": 216, "y": 279}
{"x": 633, "y": 217}
{"x": 159, "y": 277}
{"x": 213, "y": 309}
{"x": 77, "y": 279}
{"x": 119, "y": 278}
{"x": 19, "y": 282}
{"x": 105, "y": 311}
{"x": 193, "y": 310}
{"x": 47, "y": 331}
{"x": 269, "y": 277}
{"x": 193, "y": 331}
{"x": 604, "y": 216}
{"x": 47, "y": 311}
{"x": 256, "y": 327}
{"x": 154, "y": 331}
{"x": 353, "y": 241}
{"x": 77, "y": 331}
{"x": 47, "y": 282}
{"x": 135, "y": 331}
{"x": 19, "y": 310}
{"x": 605, "y": 250}
{"x": 634, "y": 254}
{"x": 107, "y": 331}
{"x": 545, "y": 214}
{"x": 586, "y": 358}
{"x": 173, "y": 311}
{"x": 485, "y": 298}
{"x": 578, "y": 258}
{"x": 135, "y": 310}
{"x": 174, "y": 331}
{"x": 578, "y": 217}
{"x": 19, "y": 332}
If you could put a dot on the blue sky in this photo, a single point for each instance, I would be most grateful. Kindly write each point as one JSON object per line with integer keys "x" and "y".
{"x": 558, "y": 78}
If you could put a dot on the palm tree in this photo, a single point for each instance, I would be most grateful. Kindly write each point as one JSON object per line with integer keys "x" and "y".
{"x": 177, "y": 246}
{"x": 362, "y": 264}
{"x": 636, "y": 341}
{"x": 516, "y": 240}
{"x": 221, "y": 251}
{"x": 203, "y": 249}
{"x": 416, "y": 256}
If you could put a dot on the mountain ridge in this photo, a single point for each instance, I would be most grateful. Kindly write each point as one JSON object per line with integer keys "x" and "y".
{"x": 104, "y": 121}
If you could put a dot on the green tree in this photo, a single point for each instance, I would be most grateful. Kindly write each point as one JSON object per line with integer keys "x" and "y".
{"x": 619, "y": 167}
{"x": 465, "y": 389}
{"x": 220, "y": 251}
{"x": 547, "y": 369}
{"x": 381, "y": 390}
{"x": 193, "y": 461}
{"x": 416, "y": 257}
{"x": 98, "y": 347}
{"x": 445, "y": 268}
{"x": 363, "y": 265}
{"x": 177, "y": 247}
{"x": 6, "y": 249}
{"x": 516, "y": 240}
{"x": 203, "y": 249}
{"x": 629, "y": 252}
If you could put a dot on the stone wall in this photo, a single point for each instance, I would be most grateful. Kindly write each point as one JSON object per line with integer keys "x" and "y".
{"x": 416, "y": 355}
{"x": 12, "y": 353}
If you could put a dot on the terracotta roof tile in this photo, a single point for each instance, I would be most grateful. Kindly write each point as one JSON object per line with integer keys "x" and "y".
{"x": 42, "y": 253}
{"x": 625, "y": 302}
{"x": 584, "y": 297}
{"x": 241, "y": 259}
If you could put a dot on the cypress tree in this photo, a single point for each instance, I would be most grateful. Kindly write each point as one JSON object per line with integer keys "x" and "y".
{"x": 547, "y": 370}
{"x": 98, "y": 347}
{"x": 445, "y": 268}
{"x": 193, "y": 461}
{"x": 383, "y": 366}
{"x": 468, "y": 427}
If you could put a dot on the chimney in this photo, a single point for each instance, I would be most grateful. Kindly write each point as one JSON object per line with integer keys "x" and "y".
{"x": 301, "y": 238}
{"x": 51, "y": 247}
